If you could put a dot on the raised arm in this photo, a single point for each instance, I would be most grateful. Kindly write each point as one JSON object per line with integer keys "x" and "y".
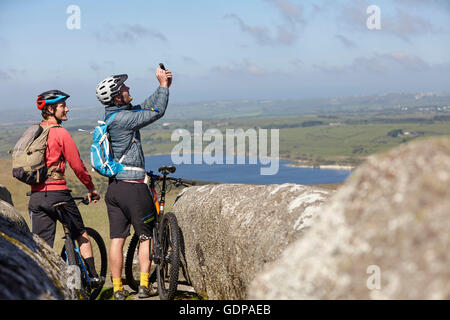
{"x": 152, "y": 109}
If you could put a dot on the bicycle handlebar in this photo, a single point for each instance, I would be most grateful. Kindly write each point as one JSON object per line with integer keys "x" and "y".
{"x": 182, "y": 181}
{"x": 85, "y": 200}
{"x": 178, "y": 181}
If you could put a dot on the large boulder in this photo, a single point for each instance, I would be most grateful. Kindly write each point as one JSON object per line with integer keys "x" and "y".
{"x": 232, "y": 230}
{"x": 383, "y": 235}
{"x": 5, "y": 195}
{"x": 29, "y": 268}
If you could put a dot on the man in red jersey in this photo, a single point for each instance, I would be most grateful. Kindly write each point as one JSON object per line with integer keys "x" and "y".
{"x": 60, "y": 148}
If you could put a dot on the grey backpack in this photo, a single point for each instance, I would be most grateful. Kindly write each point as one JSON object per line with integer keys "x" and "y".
{"x": 28, "y": 156}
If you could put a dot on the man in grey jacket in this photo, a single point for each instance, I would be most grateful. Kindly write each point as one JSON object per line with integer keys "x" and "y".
{"x": 128, "y": 199}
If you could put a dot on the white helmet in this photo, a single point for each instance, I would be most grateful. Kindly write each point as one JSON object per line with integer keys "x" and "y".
{"x": 109, "y": 88}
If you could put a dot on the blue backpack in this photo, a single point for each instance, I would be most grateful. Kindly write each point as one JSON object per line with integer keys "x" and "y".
{"x": 102, "y": 157}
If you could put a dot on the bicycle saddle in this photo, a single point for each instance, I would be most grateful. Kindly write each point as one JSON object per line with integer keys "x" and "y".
{"x": 171, "y": 169}
{"x": 60, "y": 204}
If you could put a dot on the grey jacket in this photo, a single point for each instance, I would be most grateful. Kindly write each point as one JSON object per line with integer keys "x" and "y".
{"x": 126, "y": 125}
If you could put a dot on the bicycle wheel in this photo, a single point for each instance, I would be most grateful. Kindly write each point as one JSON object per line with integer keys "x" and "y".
{"x": 132, "y": 270}
{"x": 68, "y": 254}
{"x": 168, "y": 268}
{"x": 100, "y": 259}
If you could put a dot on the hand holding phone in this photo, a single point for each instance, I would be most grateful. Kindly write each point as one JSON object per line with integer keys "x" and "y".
{"x": 168, "y": 75}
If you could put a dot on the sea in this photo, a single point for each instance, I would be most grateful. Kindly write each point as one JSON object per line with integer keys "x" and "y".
{"x": 247, "y": 173}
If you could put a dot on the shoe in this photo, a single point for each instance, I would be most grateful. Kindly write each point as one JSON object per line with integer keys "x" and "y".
{"x": 145, "y": 292}
{"x": 121, "y": 294}
{"x": 97, "y": 282}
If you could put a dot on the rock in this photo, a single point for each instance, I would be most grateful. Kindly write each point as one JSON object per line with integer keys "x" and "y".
{"x": 232, "y": 230}
{"x": 5, "y": 195}
{"x": 29, "y": 268}
{"x": 9, "y": 212}
{"x": 383, "y": 235}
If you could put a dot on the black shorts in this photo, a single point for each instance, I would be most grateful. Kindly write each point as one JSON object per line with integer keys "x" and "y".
{"x": 43, "y": 216}
{"x": 129, "y": 204}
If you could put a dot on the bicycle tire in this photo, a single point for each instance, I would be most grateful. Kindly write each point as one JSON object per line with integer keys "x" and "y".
{"x": 183, "y": 262}
{"x": 100, "y": 258}
{"x": 132, "y": 271}
{"x": 69, "y": 254}
{"x": 168, "y": 268}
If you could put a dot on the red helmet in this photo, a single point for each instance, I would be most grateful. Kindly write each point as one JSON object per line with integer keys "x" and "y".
{"x": 50, "y": 97}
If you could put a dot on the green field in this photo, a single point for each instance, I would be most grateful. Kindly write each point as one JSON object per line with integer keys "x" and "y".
{"x": 340, "y": 139}
{"x": 94, "y": 215}
{"x": 343, "y": 139}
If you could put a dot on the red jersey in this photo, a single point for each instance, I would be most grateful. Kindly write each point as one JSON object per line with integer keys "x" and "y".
{"x": 60, "y": 145}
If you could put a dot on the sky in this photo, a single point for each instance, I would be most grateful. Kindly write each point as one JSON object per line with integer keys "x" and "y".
{"x": 221, "y": 50}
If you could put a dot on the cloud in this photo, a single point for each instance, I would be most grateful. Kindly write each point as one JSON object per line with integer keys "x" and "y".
{"x": 12, "y": 73}
{"x": 108, "y": 64}
{"x": 94, "y": 66}
{"x": 244, "y": 68}
{"x": 292, "y": 13}
{"x": 127, "y": 33}
{"x": 189, "y": 60}
{"x": 404, "y": 25}
{"x": 345, "y": 41}
{"x": 401, "y": 23}
{"x": 297, "y": 63}
{"x": 4, "y": 75}
{"x": 378, "y": 63}
{"x": 438, "y": 4}
{"x": 283, "y": 34}
{"x": 261, "y": 34}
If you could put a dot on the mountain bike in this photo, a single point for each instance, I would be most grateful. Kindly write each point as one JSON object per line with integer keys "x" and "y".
{"x": 71, "y": 252}
{"x": 167, "y": 249}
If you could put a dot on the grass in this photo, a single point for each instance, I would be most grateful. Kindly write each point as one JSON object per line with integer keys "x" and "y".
{"x": 94, "y": 215}
{"x": 343, "y": 139}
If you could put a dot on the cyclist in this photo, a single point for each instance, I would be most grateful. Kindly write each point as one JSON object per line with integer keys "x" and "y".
{"x": 60, "y": 148}
{"x": 128, "y": 199}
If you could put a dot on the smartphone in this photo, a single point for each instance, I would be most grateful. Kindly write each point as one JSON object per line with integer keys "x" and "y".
{"x": 162, "y": 66}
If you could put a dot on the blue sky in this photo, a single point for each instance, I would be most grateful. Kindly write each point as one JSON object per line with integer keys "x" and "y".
{"x": 255, "y": 49}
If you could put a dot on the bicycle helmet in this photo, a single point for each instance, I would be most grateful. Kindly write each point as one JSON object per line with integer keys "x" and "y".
{"x": 50, "y": 97}
{"x": 109, "y": 88}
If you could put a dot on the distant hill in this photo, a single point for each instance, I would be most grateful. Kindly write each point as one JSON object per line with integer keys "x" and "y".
{"x": 227, "y": 109}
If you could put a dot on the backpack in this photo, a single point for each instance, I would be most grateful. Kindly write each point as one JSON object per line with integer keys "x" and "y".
{"x": 102, "y": 156}
{"x": 28, "y": 155}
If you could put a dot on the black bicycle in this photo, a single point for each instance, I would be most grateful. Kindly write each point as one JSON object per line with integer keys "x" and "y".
{"x": 168, "y": 247}
{"x": 71, "y": 252}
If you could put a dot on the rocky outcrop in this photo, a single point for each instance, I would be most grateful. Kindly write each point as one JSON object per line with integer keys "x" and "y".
{"x": 29, "y": 268}
{"x": 232, "y": 230}
{"x": 383, "y": 235}
{"x": 5, "y": 195}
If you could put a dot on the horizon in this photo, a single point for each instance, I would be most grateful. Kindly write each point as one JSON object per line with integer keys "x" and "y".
{"x": 186, "y": 103}
{"x": 224, "y": 51}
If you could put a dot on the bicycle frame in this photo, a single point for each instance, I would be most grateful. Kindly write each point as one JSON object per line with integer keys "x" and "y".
{"x": 75, "y": 247}
{"x": 159, "y": 205}
{"x": 164, "y": 232}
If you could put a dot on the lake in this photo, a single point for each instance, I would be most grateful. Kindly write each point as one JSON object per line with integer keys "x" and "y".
{"x": 248, "y": 173}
